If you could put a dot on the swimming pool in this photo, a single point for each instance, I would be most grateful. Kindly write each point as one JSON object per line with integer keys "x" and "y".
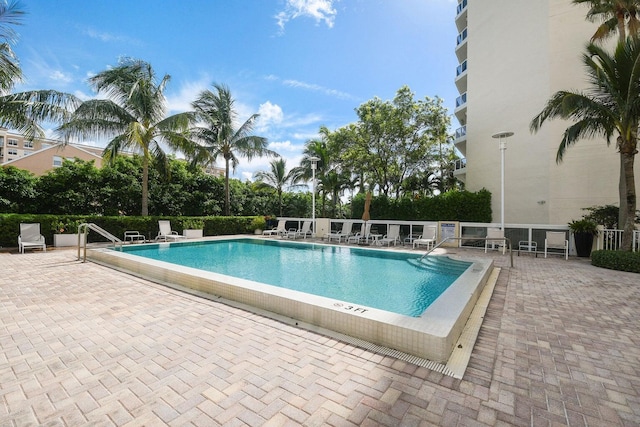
{"x": 386, "y": 280}
{"x": 430, "y": 335}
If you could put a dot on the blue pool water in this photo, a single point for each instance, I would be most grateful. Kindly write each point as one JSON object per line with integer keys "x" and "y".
{"x": 386, "y": 280}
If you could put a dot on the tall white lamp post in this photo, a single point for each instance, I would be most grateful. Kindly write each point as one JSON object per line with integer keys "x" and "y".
{"x": 502, "y": 136}
{"x": 314, "y": 164}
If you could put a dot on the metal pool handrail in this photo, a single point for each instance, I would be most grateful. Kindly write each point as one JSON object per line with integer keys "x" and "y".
{"x": 506, "y": 240}
{"x": 101, "y": 231}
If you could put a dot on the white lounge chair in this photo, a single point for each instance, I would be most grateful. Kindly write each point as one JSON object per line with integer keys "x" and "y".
{"x": 361, "y": 236}
{"x": 30, "y": 237}
{"x": 556, "y": 240}
{"x": 342, "y": 234}
{"x": 392, "y": 236}
{"x": 166, "y": 233}
{"x": 498, "y": 234}
{"x": 427, "y": 238}
{"x": 302, "y": 232}
{"x": 278, "y": 231}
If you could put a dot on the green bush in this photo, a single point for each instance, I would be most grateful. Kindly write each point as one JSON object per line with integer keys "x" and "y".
{"x": 617, "y": 260}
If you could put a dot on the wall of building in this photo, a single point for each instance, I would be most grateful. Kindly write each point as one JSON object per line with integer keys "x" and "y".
{"x": 520, "y": 52}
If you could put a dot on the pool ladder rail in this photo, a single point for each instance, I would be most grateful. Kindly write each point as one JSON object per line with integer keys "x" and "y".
{"x": 506, "y": 240}
{"x": 84, "y": 229}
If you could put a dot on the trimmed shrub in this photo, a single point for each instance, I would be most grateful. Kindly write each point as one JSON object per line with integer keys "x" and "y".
{"x": 617, "y": 260}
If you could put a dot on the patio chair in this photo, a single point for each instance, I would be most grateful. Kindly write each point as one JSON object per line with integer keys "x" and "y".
{"x": 278, "y": 231}
{"x": 392, "y": 236}
{"x": 556, "y": 240}
{"x": 166, "y": 233}
{"x": 427, "y": 238}
{"x": 498, "y": 235}
{"x": 361, "y": 236}
{"x": 344, "y": 233}
{"x": 30, "y": 237}
{"x": 303, "y": 232}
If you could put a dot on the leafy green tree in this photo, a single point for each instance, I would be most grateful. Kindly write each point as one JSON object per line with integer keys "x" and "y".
{"x": 17, "y": 190}
{"x": 120, "y": 189}
{"x": 133, "y": 116}
{"x": 279, "y": 179}
{"x": 396, "y": 139}
{"x": 218, "y": 135}
{"x": 70, "y": 189}
{"x": 610, "y": 107}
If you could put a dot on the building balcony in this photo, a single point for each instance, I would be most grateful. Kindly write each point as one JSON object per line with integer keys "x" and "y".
{"x": 461, "y": 108}
{"x": 460, "y": 169}
{"x": 460, "y": 140}
{"x": 461, "y": 77}
{"x": 461, "y": 46}
{"x": 461, "y": 15}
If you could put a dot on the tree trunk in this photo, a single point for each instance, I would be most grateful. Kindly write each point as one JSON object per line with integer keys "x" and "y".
{"x": 227, "y": 197}
{"x": 630, "y": 197}
{"x": 622, "y": 192}
{"x": 145, "y": 183}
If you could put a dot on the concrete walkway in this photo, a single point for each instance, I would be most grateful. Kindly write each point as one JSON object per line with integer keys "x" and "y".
{"x": 82, "y": 344}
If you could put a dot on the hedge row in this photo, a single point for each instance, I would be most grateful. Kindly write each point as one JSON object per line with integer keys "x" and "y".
{"x": 117, "y": 225}
{"x": 617, "y": 260}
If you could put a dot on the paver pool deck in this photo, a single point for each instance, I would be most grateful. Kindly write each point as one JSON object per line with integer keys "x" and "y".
{"x": 82, "y": 344}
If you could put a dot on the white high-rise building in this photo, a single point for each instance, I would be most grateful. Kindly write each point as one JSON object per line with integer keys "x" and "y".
{"x": 513, "y": 55}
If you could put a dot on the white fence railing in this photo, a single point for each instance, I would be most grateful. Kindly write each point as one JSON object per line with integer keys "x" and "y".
{"x": 610, "y": 239}
{"x": 473, "y": 233}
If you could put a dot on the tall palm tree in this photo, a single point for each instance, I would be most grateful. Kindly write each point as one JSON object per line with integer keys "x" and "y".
{"x": 619, "y": 16}
{"x": 278, "y": 178}
{"x": 133, "y": 116}
{"x": 219, "y": 136}
{"x": 24, "y": 111}
{"x": 610, "y": 107}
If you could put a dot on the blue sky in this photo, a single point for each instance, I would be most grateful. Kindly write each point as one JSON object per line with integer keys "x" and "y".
{"x": 300, "y": 64}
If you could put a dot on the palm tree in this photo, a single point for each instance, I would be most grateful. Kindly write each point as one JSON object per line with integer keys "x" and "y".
{"x": 278, "y": 178}
{"x": 616, "y": 15}
{"x": 133, "y": 116}
{"x": 24, "y": 111}
{"x": 620, "y": 16}
{"x": 610, "y": 107}
{"x": 218, "y": 135}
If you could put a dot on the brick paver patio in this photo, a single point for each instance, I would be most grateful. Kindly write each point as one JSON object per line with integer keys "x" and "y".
{"x": 81, "y": 344}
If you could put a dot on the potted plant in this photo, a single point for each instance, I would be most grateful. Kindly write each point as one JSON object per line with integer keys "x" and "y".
{"x": 258, "y": 224}
{"x": 65, "y": 233}
{"x": 193, "y": 228}
{"x": 583, "y": 231}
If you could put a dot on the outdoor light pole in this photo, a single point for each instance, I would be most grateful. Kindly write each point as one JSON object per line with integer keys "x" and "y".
{"x": 502, "y": 136}
{"x": 314, "y": 164}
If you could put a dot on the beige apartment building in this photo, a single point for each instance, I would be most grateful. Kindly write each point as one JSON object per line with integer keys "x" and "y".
{"x": 513, "y": 55}
{"x": 40, "y": 156}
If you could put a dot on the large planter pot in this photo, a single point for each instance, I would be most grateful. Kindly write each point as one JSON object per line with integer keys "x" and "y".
{"x": 584, "y": 243}
{"x": 192, "y": 233}
{"x": 63, "y": 240}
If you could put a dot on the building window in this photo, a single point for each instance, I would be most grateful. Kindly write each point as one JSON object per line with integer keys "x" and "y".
{"x": 12, "y": 142}
{"x": 28, "y": 144}
{"x": 12, "y": 152}
{"x": 57, "y": 161}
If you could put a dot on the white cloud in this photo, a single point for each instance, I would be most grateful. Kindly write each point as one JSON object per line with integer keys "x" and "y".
{"x": 270, "y": 114}
{"x": 187, "y": 93}
{"x": 319, "y": 10}
{"x": 59, "y": 76}
{"x": 281, "y": 146}
{"x": 108, "y": 37}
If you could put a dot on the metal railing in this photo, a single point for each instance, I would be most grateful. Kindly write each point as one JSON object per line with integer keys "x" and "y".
{"x": 611, "y": 238}
{"x": 461, "y": 7}
{"x": 506, "y": 241}
{"x": 84, "y": 229}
